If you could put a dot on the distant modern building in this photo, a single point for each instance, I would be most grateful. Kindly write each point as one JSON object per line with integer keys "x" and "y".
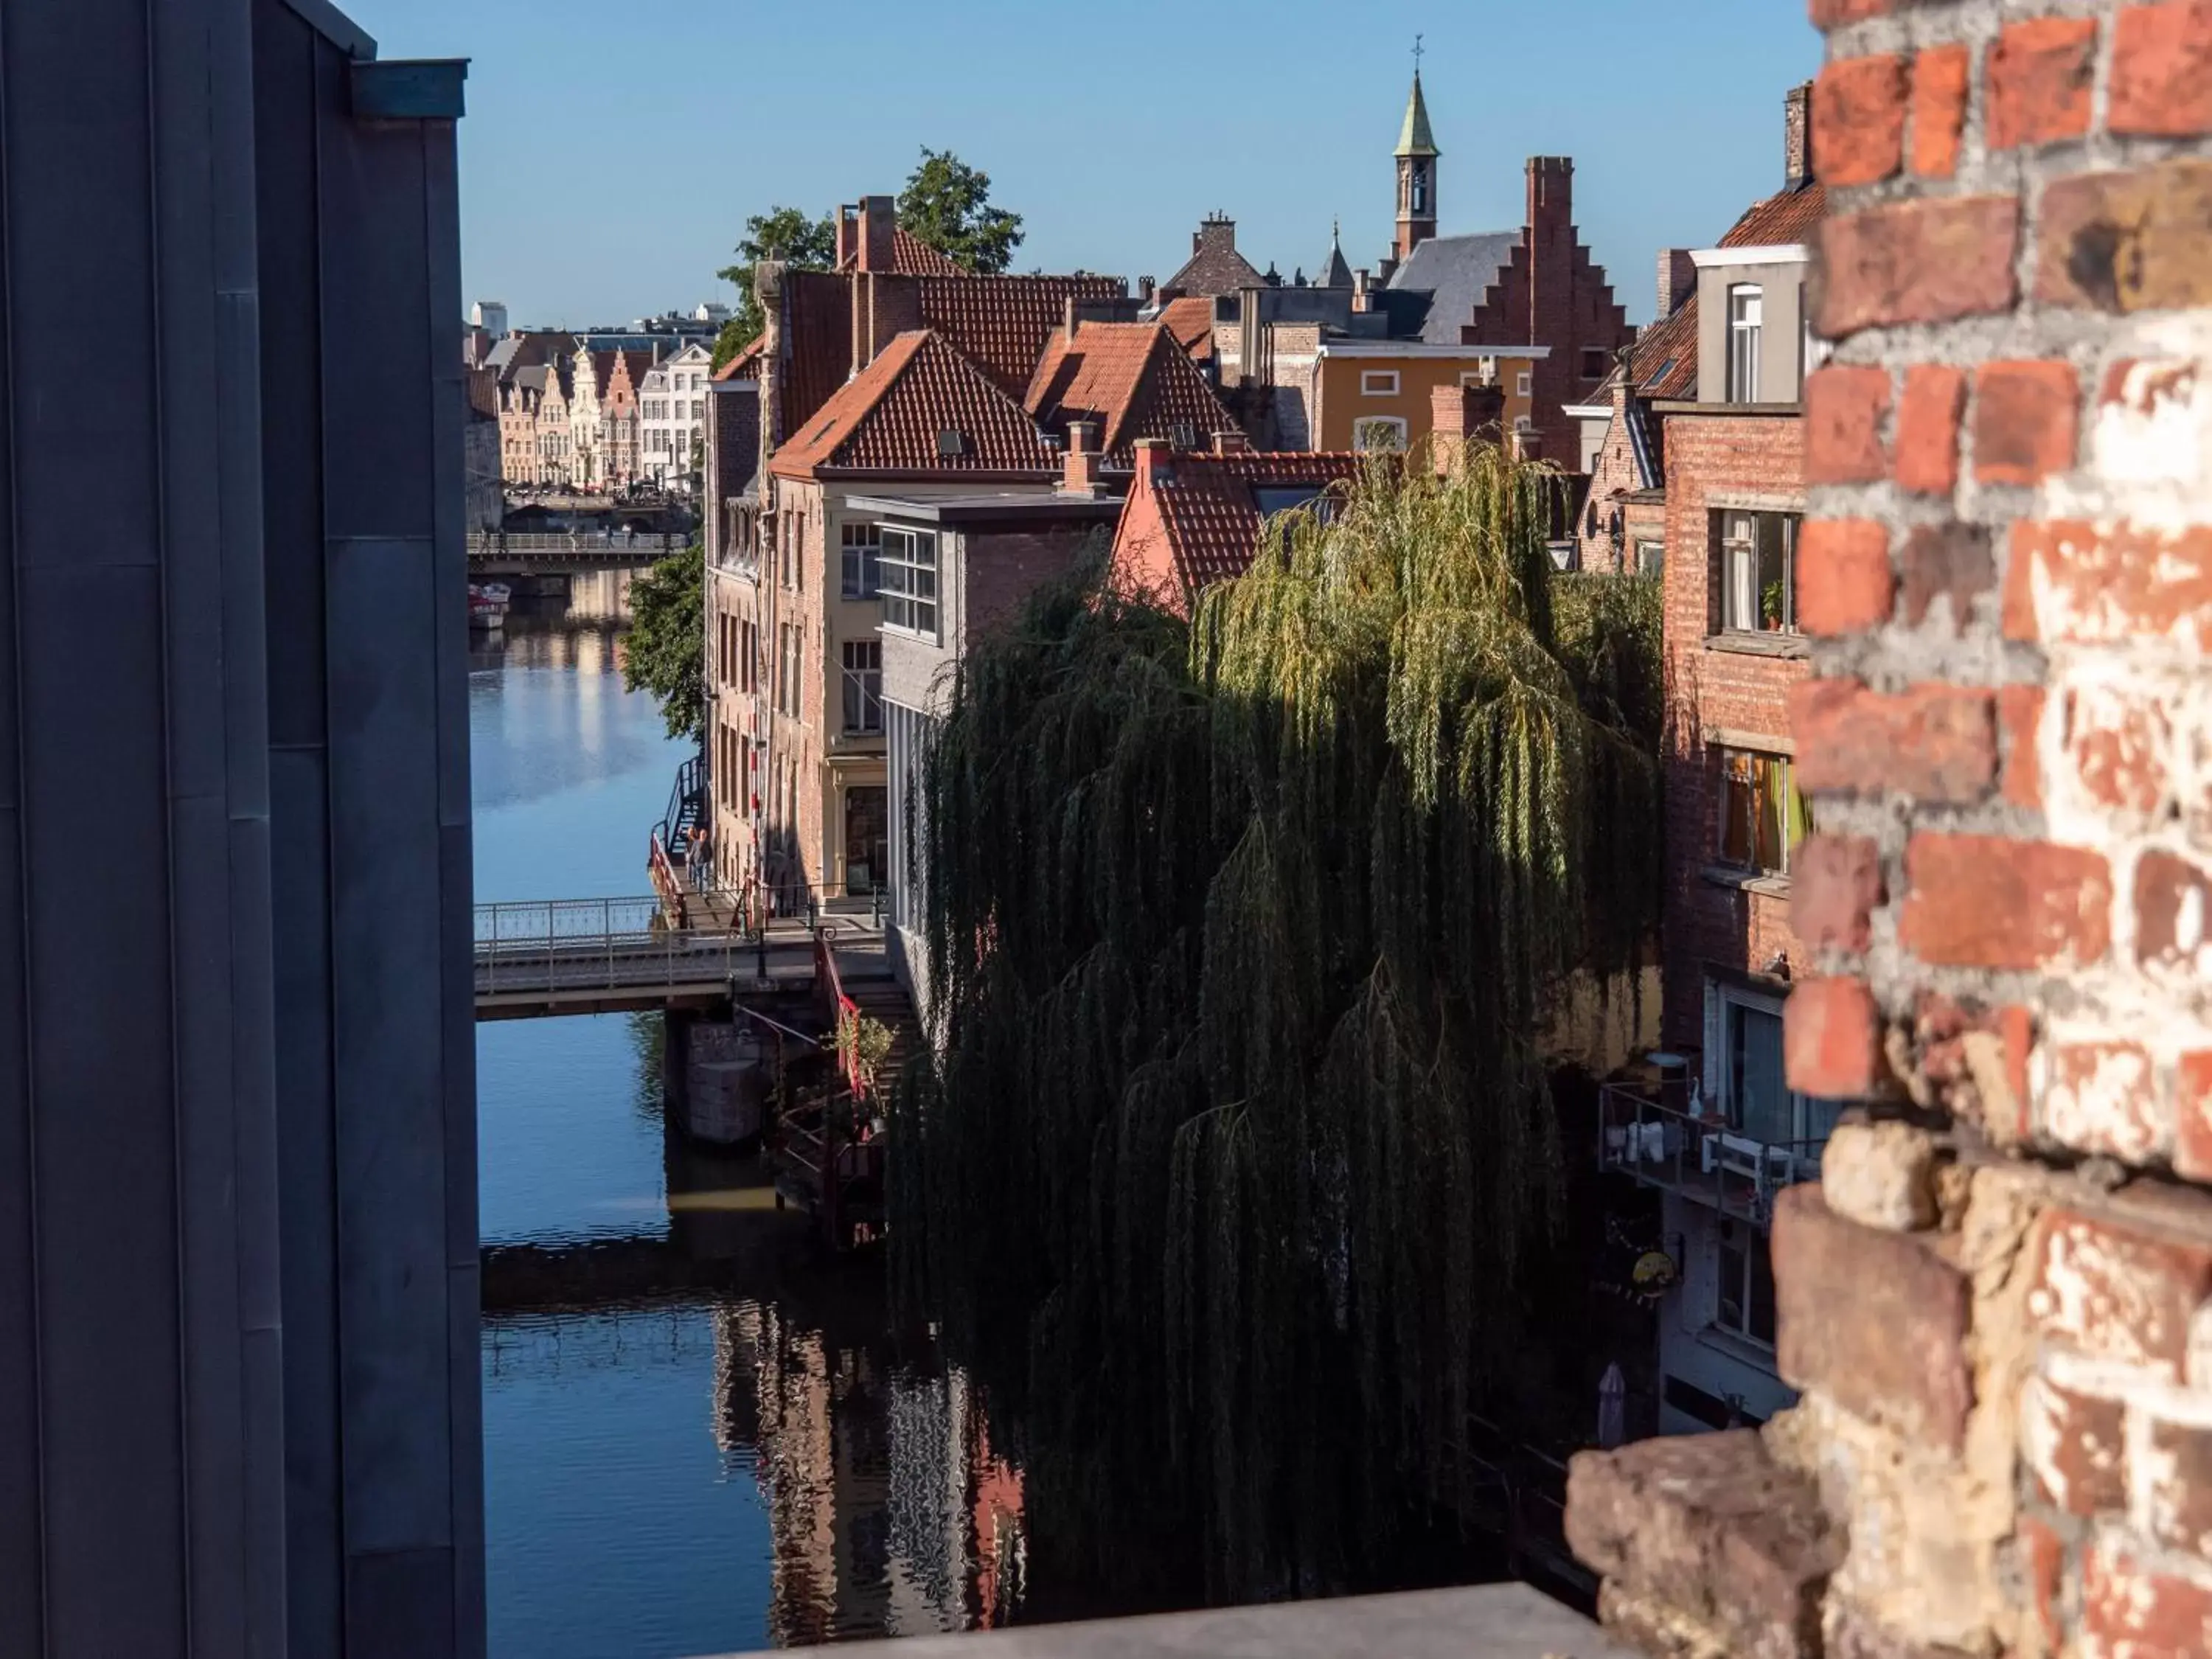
{"x": 490, "y": 315}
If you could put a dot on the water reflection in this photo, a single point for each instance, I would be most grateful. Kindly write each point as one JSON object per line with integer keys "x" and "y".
{"x": 698, "y": 1437}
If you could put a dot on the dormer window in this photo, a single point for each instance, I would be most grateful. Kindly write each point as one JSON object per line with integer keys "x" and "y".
{"x": 1747, "y": 310}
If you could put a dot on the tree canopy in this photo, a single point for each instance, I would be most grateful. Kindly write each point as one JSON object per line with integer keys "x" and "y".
{"x": 947, "y": 204}
{"x": 1241, "y": 935}
{"x": 782, "y": 233}
{"x": 666, "y": 650}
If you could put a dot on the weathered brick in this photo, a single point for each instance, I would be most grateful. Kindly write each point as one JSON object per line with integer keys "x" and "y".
{"x": 1858, "y": 114}
{"x": 1951, "y": 562}
{"x": 1844, "y": 582}
{"x": 2044, "y": 1568}
{"x": 1835, "y": 885}
{"x": 2192, "y": 1144}
{"x": 1875, "y": 1320}
{"x": 1917, "y": 262}
{"x": 1844, "y": 407}
{"x": 2039, "y": 80}
{"x": 2020, "y": 714}
{"x": 2173, "y": 1487}
{"x": 1986, "y": 902}
{"x": 2102, "y": 1098}
{"x": 1927, "y": 417}
{"x": 2076, "y": 1445}
{"x": 2173, "y": 915}
{"x": 2130, "y": 1610}
{"x": 1945, "y": 1037}
{"x": 2068, "y": 583}
{"x": 1834, "y": 14}
{"x": 1881, "y": 1173}
{"x": 1939, "y": 109}
{"x": 1711, "y": 1527}
{"x": 1831, "y": 1039}
{"x": 1933, "y": 742}
{"x": 2026, "y": 421}
{"x": 2128, "y": 241}
{"x": 2117, "y": 744}
{"x": 2162, "y": 69}
{"x": 2116, "y": 1292}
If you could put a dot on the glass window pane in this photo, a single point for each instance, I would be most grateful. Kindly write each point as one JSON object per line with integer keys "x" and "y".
{"x": 1737, "y": 813}
{"x": 1759, "y": 1103}
{"x": 1775, "y": 608}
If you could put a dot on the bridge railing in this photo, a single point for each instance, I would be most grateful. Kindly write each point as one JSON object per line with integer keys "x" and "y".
{"x": 646, "y": 543}
{"x": 582, "y": 944}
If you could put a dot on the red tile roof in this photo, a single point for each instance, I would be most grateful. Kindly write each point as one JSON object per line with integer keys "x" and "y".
{"x": 1780, "y": 220}
{"x": 1663, "y": 364}
{"x": 1190, "y": 321}
{"x": 1001, "y": 323}
{"x": 484, "y": 391}
{"x": 1202, "y": 521}
{"x": 892, "y": 417}
{"x": 746, "y": 366}
{"x": 912, "y": 257}
{"x": 1132, "y": 380}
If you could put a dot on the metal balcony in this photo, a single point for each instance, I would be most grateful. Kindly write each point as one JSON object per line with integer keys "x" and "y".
{"x": 1700, "y": 1155}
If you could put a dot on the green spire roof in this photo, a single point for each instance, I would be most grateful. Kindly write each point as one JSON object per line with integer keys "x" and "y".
{"x": 1415, "y": 139}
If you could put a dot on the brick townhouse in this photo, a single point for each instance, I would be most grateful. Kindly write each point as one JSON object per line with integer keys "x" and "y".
{"x": 903, "y": 409}
{"x": 1997, "y": 1299}
{"x": 1705, "y": 446}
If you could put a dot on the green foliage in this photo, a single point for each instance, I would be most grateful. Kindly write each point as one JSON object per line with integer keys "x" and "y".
{"x": 947, "y": 204}
{"x": 666, "y": 650}
{"x": 781, "y": 232}
{"x": 1239, "y": 932}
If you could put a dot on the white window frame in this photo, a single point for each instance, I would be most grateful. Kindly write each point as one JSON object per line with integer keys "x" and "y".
{"x": 1524, "y": 423}
{"x": 912, "y": 567}
{"x": 1379, "y": 382}
{"x": 1524, "y": 383}
{"x": 1747, "y": 323}
{"x": 861, "y": 686}
{"x": 1364, "y": 428}
{"x": 1739, "y": 564}
{"x": 860, "y": 549}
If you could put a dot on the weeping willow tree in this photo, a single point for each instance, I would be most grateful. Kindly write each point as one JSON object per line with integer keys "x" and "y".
{"x": 1241, "y": 930}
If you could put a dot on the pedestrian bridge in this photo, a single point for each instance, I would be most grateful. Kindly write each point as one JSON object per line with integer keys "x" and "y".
{"x": 539, "y": 959}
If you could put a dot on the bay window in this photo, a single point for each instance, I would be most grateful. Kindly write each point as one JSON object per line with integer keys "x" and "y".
{"x": 908, "y": 562}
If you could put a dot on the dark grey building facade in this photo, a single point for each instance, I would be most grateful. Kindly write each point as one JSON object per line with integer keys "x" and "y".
{"x": 238, "y": 1397}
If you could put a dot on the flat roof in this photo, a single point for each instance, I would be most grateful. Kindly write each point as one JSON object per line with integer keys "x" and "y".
{"x": 933, "y": 507}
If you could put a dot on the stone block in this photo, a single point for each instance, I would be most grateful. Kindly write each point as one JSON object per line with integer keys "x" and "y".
{"x": 1882, "y": 1174}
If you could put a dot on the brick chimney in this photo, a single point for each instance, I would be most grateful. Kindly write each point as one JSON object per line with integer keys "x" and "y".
{"x": 848, "y": 235}
{"x": 878, "y": 218}
{"x": 1231, "y": 442}
{"x": 1457, "y": 414}
{"x": 1362, "y": 298}
{"x": 1080, "y": 466}
{"x": 1155, "y": 462}
{"x": 1527, "y": 444}
{"x": 1147, "y": 289}
{"x": 1797, "y": 136}
{"x": 1678, "y": 281}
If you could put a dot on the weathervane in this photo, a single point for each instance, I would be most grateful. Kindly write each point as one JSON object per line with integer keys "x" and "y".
{"x": 1418, "y": 53}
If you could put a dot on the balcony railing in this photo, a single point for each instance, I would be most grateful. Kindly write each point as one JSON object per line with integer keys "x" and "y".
{"x": 1700, "y": 1155}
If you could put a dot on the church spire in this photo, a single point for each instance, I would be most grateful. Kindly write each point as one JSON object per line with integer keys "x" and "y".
{"x": 1416, "y": 154}
{"x": 1335, "y": 270}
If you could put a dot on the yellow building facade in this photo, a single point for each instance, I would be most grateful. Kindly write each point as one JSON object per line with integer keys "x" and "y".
{"x": 1371, "y": 394}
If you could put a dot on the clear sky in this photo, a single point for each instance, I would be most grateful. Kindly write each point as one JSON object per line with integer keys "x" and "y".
{"x": 613, "y": 151}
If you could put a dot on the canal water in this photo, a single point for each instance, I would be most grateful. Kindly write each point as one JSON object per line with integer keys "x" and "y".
{"x": 689, "y": 1474}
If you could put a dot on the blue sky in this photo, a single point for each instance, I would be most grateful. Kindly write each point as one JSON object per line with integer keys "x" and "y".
{"x": 612, "y": 152}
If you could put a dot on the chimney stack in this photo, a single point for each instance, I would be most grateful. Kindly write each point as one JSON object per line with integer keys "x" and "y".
{"x": 1797, "y": 136}
{"x": 848, "y": 235}
{"x": 1459, "y": 414}
{"x": 1361, "y": 299}
{"x": 1230, "y": 443}
{"x": 1678, "y": 281}
{"x": 1155, "y": 462}
{"x": 1146, "y": 287}
{"x": 878, "y": 218}
{"x": 1527, "y": 444}
{"x": 1067, "y": 317}
{"x": 1080, "y": 466}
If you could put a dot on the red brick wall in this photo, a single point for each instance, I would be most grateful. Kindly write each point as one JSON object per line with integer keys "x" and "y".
{"x": 1715, "y": 461}
{"x": 1998, "y": 1301}
{"x": 1003, "y": 567}
{"x": 1554, "y": 295}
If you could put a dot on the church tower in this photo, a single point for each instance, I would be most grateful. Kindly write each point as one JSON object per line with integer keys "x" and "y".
{"x": 1417, "y": 175}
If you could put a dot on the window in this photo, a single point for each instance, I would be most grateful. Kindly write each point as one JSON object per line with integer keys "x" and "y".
{"x": 1379, "y": 382}
{"x": 748, "y": 658}
{"x": 864, "y": 685}
{"x": 790, "y": 662}
{"x": 1272, "y": 499}
{"x": 1759, "y": 572}
{"x": 908, "y": 562}
{"x": 1524, "y": 383}
{"x": 1378, "y": 432}
{"x": 1650, "y": 558}
{"x": 1417, "y": 195}
{"x": 1524, "y": 424}
{"x": 863, "y": 554}
{"x": 1746, "y": 1286}
{"x": 1747, "y": 1071}
{"x": 1747, "y": 306}
{"x": 1763, "y": 816}
{"x": 1594, "y": 362}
